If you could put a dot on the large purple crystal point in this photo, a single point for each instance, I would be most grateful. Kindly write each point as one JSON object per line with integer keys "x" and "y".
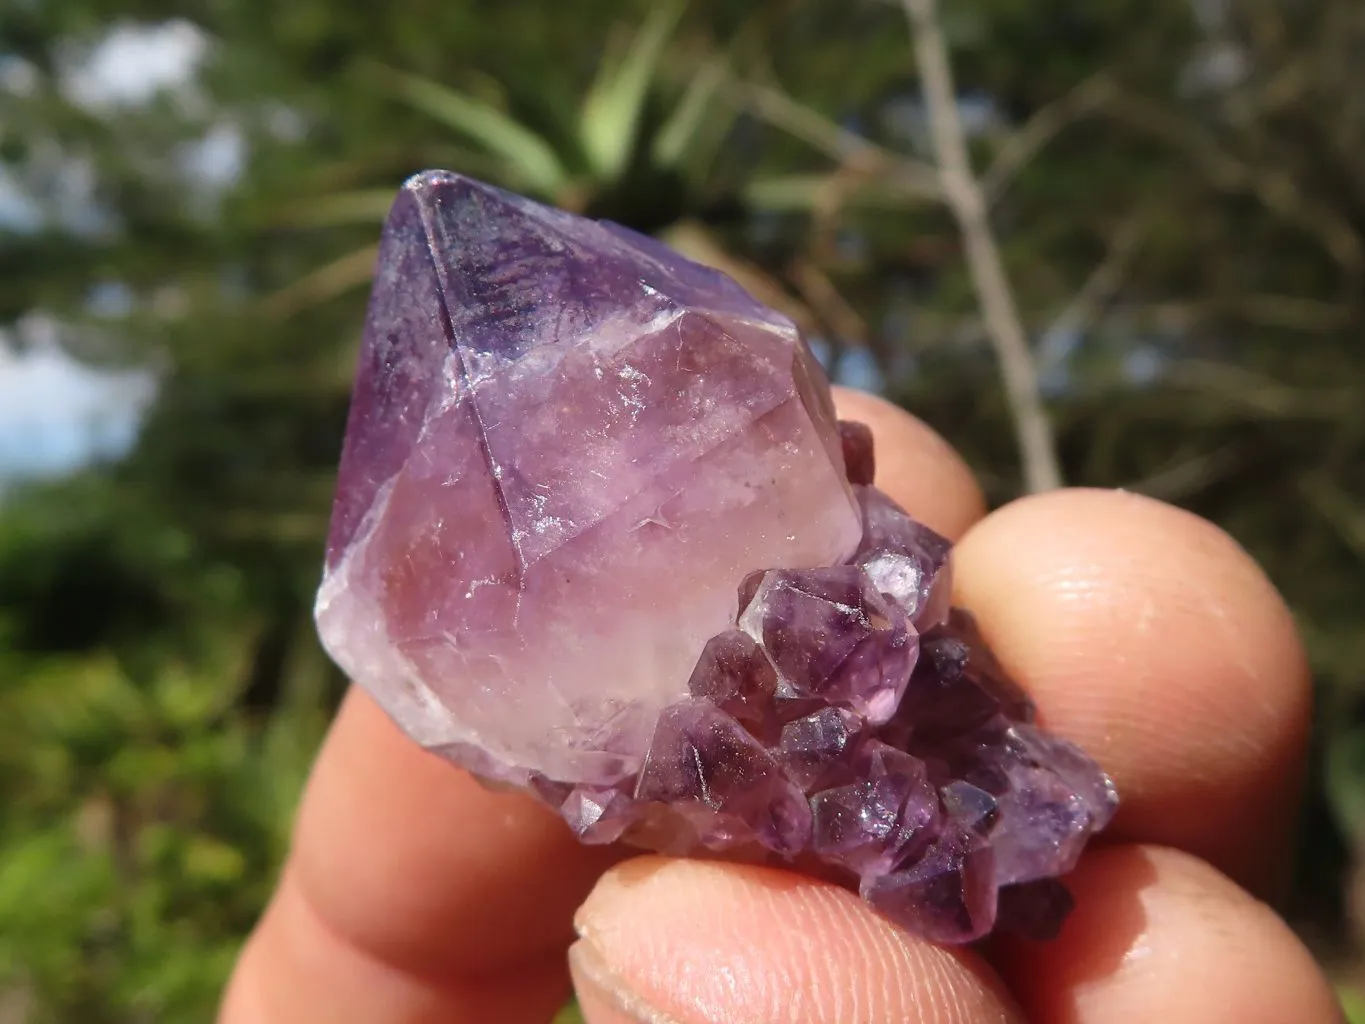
{"x": 569, "y": 449}
{"x": 566, "y": 447}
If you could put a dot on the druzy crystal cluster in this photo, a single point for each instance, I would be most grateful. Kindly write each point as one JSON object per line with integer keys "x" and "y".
{"x": 599, "y": 535}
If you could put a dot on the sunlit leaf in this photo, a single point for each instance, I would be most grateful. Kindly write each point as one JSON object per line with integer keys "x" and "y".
{"x": 365, "y": 206}
{"x": 805, "y": 192}
{"x": 326, "y": 283}
{"x": 1345, "y": 780}
{"x": 531, "y": 161}
{"x": 612, "y": 108}
{"x": 1353, "y": 1005}
{"x": 696, "y": 109}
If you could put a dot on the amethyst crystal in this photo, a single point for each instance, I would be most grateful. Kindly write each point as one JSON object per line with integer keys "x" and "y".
{"x": 832, "y": 636}
{"x": 568, "y": 448}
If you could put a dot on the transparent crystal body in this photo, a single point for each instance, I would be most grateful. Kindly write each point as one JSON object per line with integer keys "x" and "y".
{"x": 565, "y": 445}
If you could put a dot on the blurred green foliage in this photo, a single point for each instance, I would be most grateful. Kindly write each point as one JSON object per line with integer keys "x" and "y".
{"x": 1182, "y": 212}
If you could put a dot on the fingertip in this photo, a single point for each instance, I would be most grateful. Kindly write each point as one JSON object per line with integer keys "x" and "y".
{"x": 915, "y": 466}
{"x": 701, "y": 942}
{"x": 1158, "y": 935}
{"x": 1147, "y": 635}
{"x": 297, "y": 969}
{"x": 392, "y": 844}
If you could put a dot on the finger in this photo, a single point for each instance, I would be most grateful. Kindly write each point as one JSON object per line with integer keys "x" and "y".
{"x": 1148, "y": 636}
{"x": 410, "y": 890}
{"x": 1160, "y": 936}
{"x": 693, "y": 942}
{"x": 915, "y": 466}
{"x": 406, "y": 875}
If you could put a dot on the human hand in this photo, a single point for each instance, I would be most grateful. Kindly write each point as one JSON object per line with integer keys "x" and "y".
{"x": 1145, "y": 634}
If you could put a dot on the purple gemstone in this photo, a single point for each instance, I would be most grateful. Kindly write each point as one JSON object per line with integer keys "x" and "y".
{"x": 597, "y": 814}
{"x": 1035, "y": 910}
{"x": 947, "y": 895}
{"x": 1042, "y": 829}
{"x": 970, "y": 806}
{"x": 905, "y": 559}
{"x": 1050, "y": 799}
{"x": 1029, "y": 745}
{"x": 832, "y": 636}
{"x": 958, "y": 686}
{"x": 700, "y": 756}
{"x": 815, "y": 747}
{"x": 568, "y": 447}
{"x": 734, "y": 674}
{"x": 860, "y": 461}
{"x": 871, "y": 825}
{"x": 1055, "y": 800}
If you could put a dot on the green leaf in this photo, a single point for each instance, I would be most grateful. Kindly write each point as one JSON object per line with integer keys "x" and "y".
{"x": 789, "y": 193}
{"x": 327, "y": 282}
{"x": 531, "y": 161}
{"x": 679, "y": 132}
{"x": 342, "y": 209}
{"x": 212, "y": 861}
{"x": 571, "y": 1014}
{"x": 611, "y": 110}
{"x": 1353, "y": 1005}
{"x": 1345, "y": 779}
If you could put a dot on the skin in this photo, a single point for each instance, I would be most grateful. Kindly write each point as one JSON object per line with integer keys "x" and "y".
{"x": 1144, "y": 633}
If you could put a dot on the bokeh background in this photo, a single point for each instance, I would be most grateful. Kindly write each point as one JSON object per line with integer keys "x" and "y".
{"x": 190, "y": 195}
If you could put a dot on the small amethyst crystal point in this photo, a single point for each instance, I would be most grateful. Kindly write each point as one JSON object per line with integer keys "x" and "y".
{"x": 703, "y": 764}
{"x": 877, "y": 822}
{"x": 947, "y": 894}
{"x": 904, "y": 559}
{"x": 734, "y": 674}
{"x": 832, "y": 636}
{"x": 816, "y": 745}
{"x": 1052, "y": 800}
{"x": 569, "y": 449}
{"x": 860, "y": 462}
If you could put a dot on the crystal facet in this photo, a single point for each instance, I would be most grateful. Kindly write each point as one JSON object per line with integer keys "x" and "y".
{"x": 569, "y": 451}
{"x": 833, "y": 637}
{"x": 702, "y": 762}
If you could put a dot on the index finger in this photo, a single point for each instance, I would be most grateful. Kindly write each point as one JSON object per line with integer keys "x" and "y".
{"x": 411, "y": 893}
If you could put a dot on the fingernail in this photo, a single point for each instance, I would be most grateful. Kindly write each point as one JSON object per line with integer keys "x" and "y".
{"x": 602, "y": 997}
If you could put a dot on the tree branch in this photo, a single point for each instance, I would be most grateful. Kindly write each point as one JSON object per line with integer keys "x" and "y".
{"x": 1040, "y": 129}
{"x": 823, "y": 297}
{"x": 1103, "y": 282}
{"x": 1274, "y": 189}
{"x": 962, "y": 192}
{"x": 849, "y": 149}
{"x": 1179, "y": 479}
{"x": 1333, "y": 504}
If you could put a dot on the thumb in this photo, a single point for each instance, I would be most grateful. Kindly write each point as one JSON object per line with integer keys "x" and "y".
{"x": 695, "y": 942}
